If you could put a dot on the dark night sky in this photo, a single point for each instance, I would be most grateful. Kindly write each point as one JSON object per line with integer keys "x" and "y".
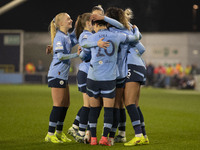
{"x": 150, "y": 15}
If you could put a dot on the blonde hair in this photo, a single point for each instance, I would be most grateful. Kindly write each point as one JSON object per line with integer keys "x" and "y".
{"x": 98, "y": 7}
{"x": 54, "y": 26}
{"x": 129, "y": 14}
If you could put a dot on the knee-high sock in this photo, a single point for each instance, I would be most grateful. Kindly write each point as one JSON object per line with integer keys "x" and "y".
{"x": 142, "y": 121}
{"x": 84, "y": 119}
{"x": 77, "y": 119}
{"x": 54, "y": 117}
{"x": 135, "y": 118}
{"x": 93, "y": 117}
{"x": 122, "y": 122}
{"x": 108, "y": 120}
{"x": 61, "y": 118}
{"x": 116, "y": 116}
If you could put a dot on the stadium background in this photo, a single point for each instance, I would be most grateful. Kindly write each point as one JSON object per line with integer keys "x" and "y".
{"x": 171, "y": 35}
{"x": 170, "y": 32}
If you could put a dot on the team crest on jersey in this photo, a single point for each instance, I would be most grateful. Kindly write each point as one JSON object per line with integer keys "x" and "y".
{"x": 85, "y": 37}
{"x": 61, "y": 82}
{"x": 100, "y": 62}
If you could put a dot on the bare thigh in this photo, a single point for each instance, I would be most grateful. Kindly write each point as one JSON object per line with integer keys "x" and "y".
{"x": 119, "y": 98}
{"x": 86, "y": 100}
{"x": 94, "y": 102}
{"x": 61, "y": 96}
{"x": 108, "y": 102}
{"x": 131, "y": 92}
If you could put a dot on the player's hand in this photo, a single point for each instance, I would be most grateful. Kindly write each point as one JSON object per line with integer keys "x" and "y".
{"x": 103, "y": 44}
{"x": 95, "y": 17}
{"x": 79, "y": 50}
{"x": 134, "y": 26}
{"x": 49, "y": 49}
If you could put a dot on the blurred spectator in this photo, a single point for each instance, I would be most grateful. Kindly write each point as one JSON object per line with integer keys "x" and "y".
{"x": 40, "y": 67}
{"x": 30, "y": 68}
{"x": 169, "y": 75}
{"x": 188, "y": 69}
{"x": 150, "y": 75}
{"x": 187, "y": 83}
{"x": 179, "y": 68}
{"x": 160, "y": 76}
{"x": 194, "y": 69}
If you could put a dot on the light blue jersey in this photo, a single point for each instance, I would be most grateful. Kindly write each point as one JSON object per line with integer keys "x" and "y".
{"x": 134, "y": 54}
{"x": 125, "y": 47}
{"x": 60, "y": 64}
{"x": 122, "y": 53}
{"x": 84, "y": 66}
{"x": 103, "y": 64}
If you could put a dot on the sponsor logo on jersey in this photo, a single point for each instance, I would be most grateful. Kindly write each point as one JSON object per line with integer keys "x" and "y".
{"x": 59, "y": 46}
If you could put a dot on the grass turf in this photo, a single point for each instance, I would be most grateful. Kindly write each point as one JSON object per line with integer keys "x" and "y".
{"x": 172, "y": 119}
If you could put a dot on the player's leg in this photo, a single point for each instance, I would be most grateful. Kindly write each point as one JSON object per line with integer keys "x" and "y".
{"x": 83, "y": 119}
{"x": 60, "y": 96}
{"x": 95, "y": 108}
{"x": 108, "y": 92}
{"x": 116, "y": 114}
{"x": 108, "y": 104}
{"x": 65, "y": 103}
{"x": 146, "y": 141}
{"x": 131, "y": 91}
{"x": 121, "y": 137}
{"x": 75, "y": 126}
{"x": 81, "y": 78}
{"x": 136, "y": 76}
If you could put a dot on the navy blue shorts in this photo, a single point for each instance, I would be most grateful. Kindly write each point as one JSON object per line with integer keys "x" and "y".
{"x": 82, "y": 79}
{"x": 101, "y": 88}
{"x": 136, "y": 74}
{"x": 121, "y": 83}
{"x": 57, "y": 83}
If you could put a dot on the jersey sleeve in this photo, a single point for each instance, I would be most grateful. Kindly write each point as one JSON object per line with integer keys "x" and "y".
{"x": 85, "y": 55}
{"x": 89, "y": 42}
{"x": 73, "y": 38}
{"x": 140, "y": 47}
{"x": 59, "y": 44}
{"x": 114, "y": 22}
{"x": 62, "y": 56}
{"x": 128, "y": 38}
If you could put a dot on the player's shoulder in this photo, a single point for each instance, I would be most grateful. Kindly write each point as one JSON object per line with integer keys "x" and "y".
{"x": 85, "y": 34}
{"x": 60, "y": 36}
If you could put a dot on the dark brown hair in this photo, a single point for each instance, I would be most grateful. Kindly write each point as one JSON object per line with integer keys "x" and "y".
{"x": 81, "y": 23}
{"x": 119, "y": 15}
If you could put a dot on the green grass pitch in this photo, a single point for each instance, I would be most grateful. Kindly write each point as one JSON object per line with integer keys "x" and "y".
{"x": 172, "y": 119}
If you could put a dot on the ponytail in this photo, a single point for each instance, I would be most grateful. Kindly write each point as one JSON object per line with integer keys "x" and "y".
{"x": 54, "y": 25}
{"x": 79, "y": 27}
{"x": 81, "y": 23}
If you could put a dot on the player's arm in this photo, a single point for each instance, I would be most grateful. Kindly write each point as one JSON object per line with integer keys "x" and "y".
{"x": 88, "y": 43}
{"x": 140, "y": 47}
{"x": 85, "y": 55}
{"x": 136, "y": 31}
{"x": 73, "y": 38}
{"x": 62, "y": 56}
{"x": 59, "y": 50}
{"x": 109, "y": 20}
